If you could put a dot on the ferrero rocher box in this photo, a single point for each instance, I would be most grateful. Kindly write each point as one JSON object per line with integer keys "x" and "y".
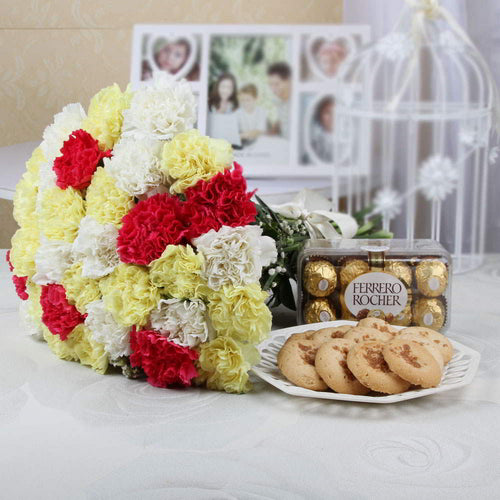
{"x": 407, "y": 283}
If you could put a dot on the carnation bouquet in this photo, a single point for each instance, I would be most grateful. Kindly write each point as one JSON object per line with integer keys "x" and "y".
{"x": 138, "y": 246}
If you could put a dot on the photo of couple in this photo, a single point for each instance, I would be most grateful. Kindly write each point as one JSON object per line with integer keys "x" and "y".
{"x": 249, "y": 96}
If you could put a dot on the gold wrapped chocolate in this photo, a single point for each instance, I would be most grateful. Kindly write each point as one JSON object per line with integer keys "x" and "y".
{"x": 430, "y": 313}
{"x": 404, "y": 317}
{"x": 351, "y": 270}
{"x": 400, "y": 269}
{"x": 345, "y": 313}
{"x": 376, "y": 313}
{"x": 319, "y": 278}
{"x": 318, "y": 310}
{"x": 432, "y": 277}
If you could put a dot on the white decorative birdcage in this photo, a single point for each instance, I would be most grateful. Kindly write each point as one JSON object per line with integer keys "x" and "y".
{"x": 418, "y": 107}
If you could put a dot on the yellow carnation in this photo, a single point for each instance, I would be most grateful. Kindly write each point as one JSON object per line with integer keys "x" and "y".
{"x": 34, "y": 307}
{"x": 25, "y": 198}
{"x": 80, "y": 291}
{"x": 129, "y": 294}
{"x": 190, "y": 157}
{"x": 178, "y": 272}
{"x": 224, "y": 365}
{"x": 106, "y": 202}
{"x": 240, "y": 313}
{"x": 79, "y": 346}
{"x": 33, "y": 164}
{"x": 24, "y": 246}
{"x": 61, "y": 213}
{"x": 104, "y": 118}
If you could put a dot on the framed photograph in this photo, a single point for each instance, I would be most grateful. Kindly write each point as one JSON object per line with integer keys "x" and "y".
{"x": 267, "y": 89}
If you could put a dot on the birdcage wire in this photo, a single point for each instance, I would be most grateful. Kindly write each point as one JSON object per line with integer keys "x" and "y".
{"x": 414, "y": 119}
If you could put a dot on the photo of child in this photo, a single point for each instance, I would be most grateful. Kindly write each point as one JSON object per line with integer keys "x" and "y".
{"x": 318, "y": 125}
{"x": 176, "y": 56}
{"x": 252, "y": 118}
{"x": 321, "y": 57}
{"x": 249, "y": 95}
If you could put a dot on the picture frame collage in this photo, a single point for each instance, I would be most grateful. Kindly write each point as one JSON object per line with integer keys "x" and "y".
{"x": 267, "y": 89}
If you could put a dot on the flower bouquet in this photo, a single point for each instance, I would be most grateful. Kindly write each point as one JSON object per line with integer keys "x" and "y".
{"x": 138, "y": 247}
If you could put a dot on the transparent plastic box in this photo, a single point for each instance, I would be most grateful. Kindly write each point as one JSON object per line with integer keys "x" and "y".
{"x": 407, "y": 283}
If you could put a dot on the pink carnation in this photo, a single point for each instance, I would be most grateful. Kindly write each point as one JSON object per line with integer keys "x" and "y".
{"x": 164, "y": 362}
{"x": 59, "y": 316}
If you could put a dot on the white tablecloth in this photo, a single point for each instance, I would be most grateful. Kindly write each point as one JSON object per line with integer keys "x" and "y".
{"x": 67, "y": 432}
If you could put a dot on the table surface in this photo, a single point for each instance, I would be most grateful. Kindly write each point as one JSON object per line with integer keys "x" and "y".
{"x": 67, "y": 432}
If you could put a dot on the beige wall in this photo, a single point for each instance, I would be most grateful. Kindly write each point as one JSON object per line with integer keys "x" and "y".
{"x": 53, "y": 52}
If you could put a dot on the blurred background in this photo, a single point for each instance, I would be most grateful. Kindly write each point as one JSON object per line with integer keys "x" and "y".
{"x": 54, "y": 52}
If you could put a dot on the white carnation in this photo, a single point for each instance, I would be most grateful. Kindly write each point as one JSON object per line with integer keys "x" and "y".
{"x": 235, "y": 255}
{"x": 104, "y": 329}
{"x": 160, "y": 110}
{"x": 135, "y": 165}
{"x": 54, "y": 135}
{"x": 28, "y": 323}
{"x": 95, "y": 246}
{"x": 182, "y": 321}
{"x": 52, "y": 258}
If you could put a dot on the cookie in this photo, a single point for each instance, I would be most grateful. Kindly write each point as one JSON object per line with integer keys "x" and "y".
{"x": 378, "y": 324}
{"x": 363, "y": 334}
{"x": 330, "y": 333}
{"x": 366, "y": 362}
{"x": 331, "y": 364}
{"x": 412, "y": 362}
{"x": 436, "y": 338}
{"x": 296, "y": 337}
{"x": 428, "y": 344}
{"x": 296, "y": 363}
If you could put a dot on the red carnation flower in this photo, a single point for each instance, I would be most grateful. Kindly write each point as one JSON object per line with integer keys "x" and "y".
{"x": 20, "y": 284}
{"x": 149, "y": 227}
{"x": 221, "y": 201}
{"x": 164, "y": 362}
{"x": 19, "y": 281}
{"x": 7, "y": 258}
{"x": 59, "y": 316}
{"x": 79, "y": 159}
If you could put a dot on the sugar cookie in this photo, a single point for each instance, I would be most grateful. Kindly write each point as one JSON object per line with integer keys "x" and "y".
{"x": 296, "y": 362}
{"x": 367, "y": 364}
{"x": 325, "y": 334}
{"x": 378, "y": 324}
{"x": 331, "y": 364}
{"x": 412, "y": 362}
{"x": 428, "y": 344}
{"x": 363, "y": 334}
{"x": 438, "y": 339}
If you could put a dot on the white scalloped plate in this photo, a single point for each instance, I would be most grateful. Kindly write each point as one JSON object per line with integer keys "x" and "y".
{"x": 457, "y": 373}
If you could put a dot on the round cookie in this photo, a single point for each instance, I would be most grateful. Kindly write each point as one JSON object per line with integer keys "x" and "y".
{"x": 429, "y": 345}
{"x": 366, "y": 362}
{"x": 296, "y": 363}
{"x": 364, "y": 334}
{"x": 296, "y": 337}
{"x": 412, "y": 362}
{"x": 331, "y": 364}
{"x": 378, "y": 324}
{"x": 436, "y": 338}
{"x": 330, "y": 333}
